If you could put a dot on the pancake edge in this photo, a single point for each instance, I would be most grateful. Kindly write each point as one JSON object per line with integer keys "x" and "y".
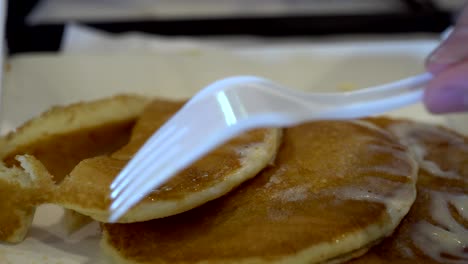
{"x": 354, "y": 245}
{"x": 258, "y": 158}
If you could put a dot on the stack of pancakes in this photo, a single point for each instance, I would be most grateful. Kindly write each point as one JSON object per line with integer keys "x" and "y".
{"x": 363, "y": 191}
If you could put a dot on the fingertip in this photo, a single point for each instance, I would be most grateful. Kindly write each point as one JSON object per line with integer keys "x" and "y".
{"x": 440, "y": 59}
{"x": 450, "y": 100}
{"x": 431, "y": 102}
{"x": 435, "y": 67}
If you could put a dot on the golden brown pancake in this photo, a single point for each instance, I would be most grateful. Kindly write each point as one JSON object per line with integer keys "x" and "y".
{"x": 18, "y": 197}
{"x": 86, "y": 190}
{"x": 335, "y": 188}
{"x": 56, "y": 141}
{"x": 63, "y": 136}
{"x": 436, "y": 228}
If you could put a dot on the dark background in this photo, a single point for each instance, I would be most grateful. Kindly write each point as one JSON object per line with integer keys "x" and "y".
{"x": 419, "y": 16}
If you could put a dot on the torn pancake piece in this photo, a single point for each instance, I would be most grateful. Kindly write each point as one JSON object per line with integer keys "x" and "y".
{"x": 336, "y": 188}
{"x": 65, "y": 135}
{"x": 16, "y": 212}
{"x": 55, "y": 142}
{"x": 21, "y": 190}
{"x": 86, "y": 189}
{"x": 436, "y": 228}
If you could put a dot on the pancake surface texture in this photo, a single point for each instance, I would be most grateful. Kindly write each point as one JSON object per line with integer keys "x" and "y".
{"x": 55, "y": 142}
{"x": 86, "y": 190}
{"x": 336, "y": 188}
{"x": 436, "y": 228}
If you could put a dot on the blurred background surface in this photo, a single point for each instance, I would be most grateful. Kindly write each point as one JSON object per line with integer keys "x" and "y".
{"x": 39, "y": 25}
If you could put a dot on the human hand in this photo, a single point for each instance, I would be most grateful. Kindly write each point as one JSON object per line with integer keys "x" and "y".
{"x": 448, "y": 90}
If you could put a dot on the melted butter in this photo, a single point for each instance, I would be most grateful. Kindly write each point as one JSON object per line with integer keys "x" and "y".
{"x": 396, "y": 203}
{"x": 461, "y": 205}
{"x": 293, "y": 194}
{"x": 420, "y": 152}
{"x": 403, "y": 194}
{"x": 435, "y": 229}
{"x": 421, "y": 138}
{"x": 445, "y": 236}
{"x": 441, "y": 235}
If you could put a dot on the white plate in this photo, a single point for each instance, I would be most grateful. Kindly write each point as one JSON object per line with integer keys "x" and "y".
{"x": 35, "y": 82}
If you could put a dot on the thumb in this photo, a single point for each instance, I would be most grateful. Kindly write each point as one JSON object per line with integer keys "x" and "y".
{"x": 448, "y": 91}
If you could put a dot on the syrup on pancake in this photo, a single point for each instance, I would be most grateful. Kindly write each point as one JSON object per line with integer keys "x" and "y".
{"x": 86, "y": 190}
{"x": 335, "y": 188}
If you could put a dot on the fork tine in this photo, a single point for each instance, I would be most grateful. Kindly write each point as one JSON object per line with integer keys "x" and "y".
{"x": 136, "y": 164}
{"x": 161, "y": 135}
{"x": 157, "y": 140}
{"x": 139, "y": 189}
{"x": 122, "y": 177}
{"x": 129, "y": 169}
{"x": 140, "y": 161}
{"x": 146, "y": 186}
{"x": 133, "y": 175}
{"x": 145, "y": 169}
{"x": 145, "y": 182}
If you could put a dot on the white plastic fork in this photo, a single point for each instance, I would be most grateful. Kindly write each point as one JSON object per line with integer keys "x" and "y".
{"x": 233, "y": 105}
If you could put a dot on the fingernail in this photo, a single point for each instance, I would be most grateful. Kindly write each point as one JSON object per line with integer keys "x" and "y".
{"x": 443, "y": 55}
{"x": 447, "y": 99}
{"x": 450, "y": 51}
{"x": 439, "y": 60}
{"x": 440, "y": 53}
